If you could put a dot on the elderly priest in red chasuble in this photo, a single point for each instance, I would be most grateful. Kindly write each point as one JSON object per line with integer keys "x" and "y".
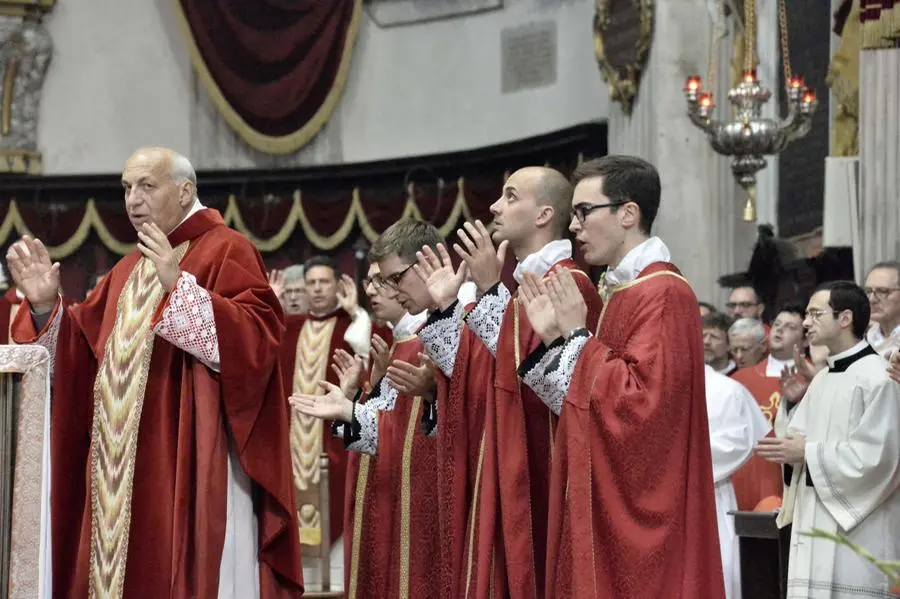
{"x": 171, "y": 470}
{"x": 632, "y": 504}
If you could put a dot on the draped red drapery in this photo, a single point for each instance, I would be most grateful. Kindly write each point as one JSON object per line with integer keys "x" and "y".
{"x": 274, "y": 68}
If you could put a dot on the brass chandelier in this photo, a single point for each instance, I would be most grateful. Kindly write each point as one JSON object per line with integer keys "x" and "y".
{"x": 748, "y": 136}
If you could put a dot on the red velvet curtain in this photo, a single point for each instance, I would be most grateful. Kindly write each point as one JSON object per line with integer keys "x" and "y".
{"x": 274, "y": 67}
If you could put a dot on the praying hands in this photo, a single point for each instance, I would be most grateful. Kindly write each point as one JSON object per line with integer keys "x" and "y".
{"x": 555, "y": 306}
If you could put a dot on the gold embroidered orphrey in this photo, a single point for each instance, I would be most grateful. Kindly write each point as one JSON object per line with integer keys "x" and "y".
{"x": 623, "y": 30}
{"x": 310, "y": 367}
{"x": 118, "y": 401}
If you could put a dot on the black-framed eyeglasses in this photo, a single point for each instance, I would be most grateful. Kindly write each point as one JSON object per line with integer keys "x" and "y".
{"x": 393, "y": 281}
{"x": 375, "y": 281}
{"x": 582, "y": 211}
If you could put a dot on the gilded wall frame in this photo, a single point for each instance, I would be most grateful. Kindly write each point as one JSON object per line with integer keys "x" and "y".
{"x": 623, "y": 31}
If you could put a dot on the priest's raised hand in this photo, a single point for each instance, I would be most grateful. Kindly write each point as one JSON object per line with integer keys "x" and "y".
{"x": 155, "y": 246}
{"x": 412, "y": 380}
{"x": 380, "y": 356}
{"x": 436, "y": 271}
{"x": 33, "y": 272}
{"x": 485, "y": 263}
{"x": 568, "y": 303}
{"x": 349, "y": 370}
{"x": 539, "y": 308}
{"x": 333, "y": 405}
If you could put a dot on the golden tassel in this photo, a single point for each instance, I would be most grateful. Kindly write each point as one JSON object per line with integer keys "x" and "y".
{"x": 750, "y": 206}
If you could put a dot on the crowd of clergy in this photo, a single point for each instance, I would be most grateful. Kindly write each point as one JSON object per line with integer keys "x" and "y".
{"x": 561, "y": 437}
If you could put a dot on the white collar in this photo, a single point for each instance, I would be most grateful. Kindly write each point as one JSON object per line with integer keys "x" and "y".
{"x": 409, "y": 324}
{"x": 540, "y": 262}
{"x": 847, "y": 353}
{"x": 774, "y": 366}
{"x": 640, "y": 257}
{"x": 197, "y": 207}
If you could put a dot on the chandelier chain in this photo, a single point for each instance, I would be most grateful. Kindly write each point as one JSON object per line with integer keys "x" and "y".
{"x": 718, "y": 34}
{"x": 785, "y": 54}
{"x": 749, "y": 35}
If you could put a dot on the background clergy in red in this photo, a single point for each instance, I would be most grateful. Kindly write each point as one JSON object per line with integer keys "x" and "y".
{"x": 333, "y": 446}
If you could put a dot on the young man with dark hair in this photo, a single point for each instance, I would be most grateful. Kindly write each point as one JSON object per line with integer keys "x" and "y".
{"x": 632, "y": 505}
{"x": 841, "y": 455}
{"x": 758, "y": 478}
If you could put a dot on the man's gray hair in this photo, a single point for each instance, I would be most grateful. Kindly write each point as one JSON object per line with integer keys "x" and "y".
{"x": 748, "y": 326}
{"x": 183, "y": 170}
{"x": 293, "y": 273}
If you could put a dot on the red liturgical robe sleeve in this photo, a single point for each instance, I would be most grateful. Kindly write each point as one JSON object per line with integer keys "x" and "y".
{"x": 632, "y": 507}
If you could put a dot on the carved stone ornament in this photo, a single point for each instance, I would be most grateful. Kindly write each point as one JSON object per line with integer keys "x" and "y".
{"x": 25, "y": 51}
{"x": 623, "y": 30}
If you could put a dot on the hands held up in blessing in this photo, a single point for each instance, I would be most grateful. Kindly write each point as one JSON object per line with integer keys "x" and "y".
{"x": 348, "y": 295}
{"x": 554, "y": 305}
{"x": 411, "y": 380}
{"x": 155, "y": 246}
{"x": 33, "y": 273}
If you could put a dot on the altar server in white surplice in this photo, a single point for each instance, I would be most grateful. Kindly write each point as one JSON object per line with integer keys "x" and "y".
{"x": 735, "y": 425}
{"x": 842, "y": 456}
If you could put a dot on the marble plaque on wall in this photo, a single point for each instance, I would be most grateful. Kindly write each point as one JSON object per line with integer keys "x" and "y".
{"x": 391, "y": 13}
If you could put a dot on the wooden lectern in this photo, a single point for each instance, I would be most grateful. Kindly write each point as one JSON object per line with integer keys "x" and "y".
{"x": 764, "y": 555}
{"x": 24, "y": 471}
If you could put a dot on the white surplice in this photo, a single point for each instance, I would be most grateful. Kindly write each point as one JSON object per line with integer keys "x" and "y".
{"x": 735, "y": 425}
{"x": 849, "y": 482}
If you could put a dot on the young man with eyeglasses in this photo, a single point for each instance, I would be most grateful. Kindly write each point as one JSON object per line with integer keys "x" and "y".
{"x": 632, "y": 504}
{"x": 759, "y": 478}
{"x": 334, "y": 322}
{"x": 391, "y": 501}
{"x": 530, "y": 217}
{"x": 841, "y": 456}
{"x": 883, "y": 290}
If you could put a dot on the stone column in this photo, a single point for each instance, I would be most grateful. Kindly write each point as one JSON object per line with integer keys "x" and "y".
{"x": 879, "y": 151}
{"x": 700, "y": 215}
{"x": 25, "y": 50}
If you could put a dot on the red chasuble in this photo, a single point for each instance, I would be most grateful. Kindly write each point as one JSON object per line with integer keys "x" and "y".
{"x": 511, "y": 538}
{"x": 759, "y": 478}
{"x": 305, "y": 361}
{"x": 394, "y": 551}
{"x": 177, "y": 503}
{"x": 460, "y": 456}
{"x": 9, "y": 305}
{"x": 632, "y": 505}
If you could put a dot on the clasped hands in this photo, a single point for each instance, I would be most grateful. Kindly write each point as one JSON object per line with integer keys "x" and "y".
{"x": 554, "y": 305}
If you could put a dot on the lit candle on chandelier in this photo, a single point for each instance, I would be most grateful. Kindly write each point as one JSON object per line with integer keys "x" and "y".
{"x": 795, "y": 82}
{"x": 749, "y": 76}
{"x": 809, "y": 96}
{"x": 705, "y": 104}
{"x": 693, "y": 84}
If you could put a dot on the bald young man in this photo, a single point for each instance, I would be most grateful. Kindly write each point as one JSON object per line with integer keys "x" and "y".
{"x": 171, "y": 469}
